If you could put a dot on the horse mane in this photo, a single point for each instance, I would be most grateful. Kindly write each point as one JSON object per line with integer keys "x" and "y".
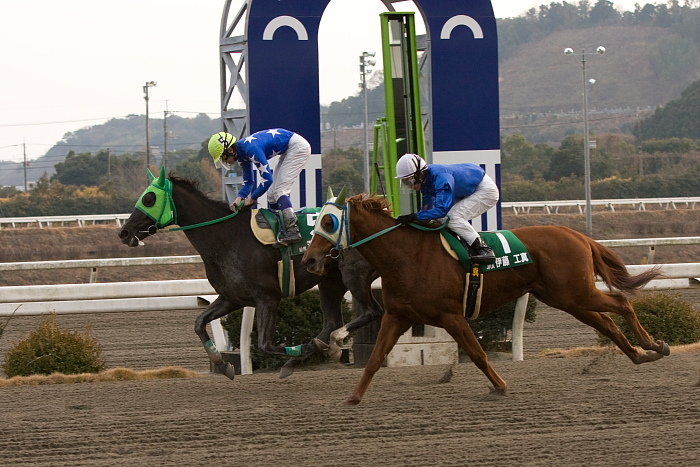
{"x": 370, "y": 202}
{"x": 192, "y": 186}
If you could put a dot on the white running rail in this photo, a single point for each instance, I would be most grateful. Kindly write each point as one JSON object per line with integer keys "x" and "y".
{"x": 519, "y": 207}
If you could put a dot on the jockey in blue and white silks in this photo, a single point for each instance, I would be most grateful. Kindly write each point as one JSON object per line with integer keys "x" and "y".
{"x": 253, "y": 153}
{"x": 460, "y": 191}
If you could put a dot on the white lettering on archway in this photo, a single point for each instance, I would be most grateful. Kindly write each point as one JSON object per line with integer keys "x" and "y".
{"x": 461, "y": 20}
{"x": 280, "y": 21}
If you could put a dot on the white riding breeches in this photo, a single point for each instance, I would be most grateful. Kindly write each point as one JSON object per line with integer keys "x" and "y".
{"x": 291, "y": 163}
{"x": 484, "y": 198}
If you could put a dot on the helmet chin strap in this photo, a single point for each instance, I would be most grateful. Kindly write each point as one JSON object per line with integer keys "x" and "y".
{"x": 419, "y": 176}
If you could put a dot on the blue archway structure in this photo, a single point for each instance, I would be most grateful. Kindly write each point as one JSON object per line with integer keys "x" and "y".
{"x": 281, "y": 82}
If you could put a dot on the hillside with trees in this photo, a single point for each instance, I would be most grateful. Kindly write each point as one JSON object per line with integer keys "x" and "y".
{"x": 652, "y": 54}
{"x": 116, "y": 137}
{"x": 644, "y": 116}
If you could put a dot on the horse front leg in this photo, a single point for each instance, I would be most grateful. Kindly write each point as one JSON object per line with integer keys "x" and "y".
{"x": 391, "y": 328}
{"x": 218, "y": 309}
{"x": 462, "y": 333}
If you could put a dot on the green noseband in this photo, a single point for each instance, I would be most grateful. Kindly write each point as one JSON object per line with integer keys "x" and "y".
{"x": 163, "y": 211}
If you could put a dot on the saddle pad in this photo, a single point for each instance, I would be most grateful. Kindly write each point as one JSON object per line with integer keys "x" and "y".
{"x": 509, "y": 250}
{"x": 261, "y": 228}
{"x": 265, "y": 225}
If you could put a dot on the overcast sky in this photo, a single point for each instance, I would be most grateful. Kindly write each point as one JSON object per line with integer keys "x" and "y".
{"x": 69, "y": 64}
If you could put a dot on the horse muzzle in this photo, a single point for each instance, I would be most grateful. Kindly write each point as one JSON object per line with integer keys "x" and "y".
{"x": 313, "y": 265}
{"x": 131, "y": 239}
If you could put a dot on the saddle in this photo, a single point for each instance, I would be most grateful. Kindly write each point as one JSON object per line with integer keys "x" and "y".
{"x": 265, "y": 226}
{"x": 509, "y": 250}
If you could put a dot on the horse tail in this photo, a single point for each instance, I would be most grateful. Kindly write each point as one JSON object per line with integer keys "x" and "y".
{"x": 611, "y": 269}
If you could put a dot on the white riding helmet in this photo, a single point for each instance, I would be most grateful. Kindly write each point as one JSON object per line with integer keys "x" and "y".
{"x": 410, "y": 165}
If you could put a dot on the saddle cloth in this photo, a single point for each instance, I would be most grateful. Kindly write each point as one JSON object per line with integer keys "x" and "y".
{"x": 509, "y": 251}
{"x": 265, "y": 226}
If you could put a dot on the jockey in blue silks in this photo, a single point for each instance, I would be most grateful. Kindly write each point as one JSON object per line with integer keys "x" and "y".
{"x": 460, "y": 191}
{"x": 253, "y": 153}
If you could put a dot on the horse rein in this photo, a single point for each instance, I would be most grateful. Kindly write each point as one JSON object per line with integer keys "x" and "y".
{"x": 344, "y": 232}
{"x": 158, "y": 224}
{"x": 336, "y": 251}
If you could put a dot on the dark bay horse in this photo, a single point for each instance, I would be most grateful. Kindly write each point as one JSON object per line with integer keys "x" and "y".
{"x": 243, "y": 271}
{"x": 421, "y": 283}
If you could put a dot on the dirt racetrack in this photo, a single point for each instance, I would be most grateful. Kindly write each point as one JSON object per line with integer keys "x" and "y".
{"x": 583, "y": 411}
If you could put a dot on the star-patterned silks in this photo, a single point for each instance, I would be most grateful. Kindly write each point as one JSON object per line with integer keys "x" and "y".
{"x": 253, "y": 155}
{"x": 262, "y": 169}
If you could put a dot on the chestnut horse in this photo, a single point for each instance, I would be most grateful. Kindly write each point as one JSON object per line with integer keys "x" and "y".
{"x": 422, "y": 283}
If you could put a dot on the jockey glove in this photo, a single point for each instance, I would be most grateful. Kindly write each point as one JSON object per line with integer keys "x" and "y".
{"x": 406, "y": 218}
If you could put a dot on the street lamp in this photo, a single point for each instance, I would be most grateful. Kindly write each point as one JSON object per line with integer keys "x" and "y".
{"x": 365, "y": 63}
{"x": 149, "y": 84}
{"x": 586, "y": 143}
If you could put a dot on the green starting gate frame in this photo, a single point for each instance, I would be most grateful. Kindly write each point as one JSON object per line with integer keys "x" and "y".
{"x": 401, "y": 131}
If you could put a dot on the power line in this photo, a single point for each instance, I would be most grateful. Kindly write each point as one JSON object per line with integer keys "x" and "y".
{"x": 7, "y": 125}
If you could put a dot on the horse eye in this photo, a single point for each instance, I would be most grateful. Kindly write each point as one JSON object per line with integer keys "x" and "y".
{"x": 330, "y": 223}
{"x": 149, "y": 199}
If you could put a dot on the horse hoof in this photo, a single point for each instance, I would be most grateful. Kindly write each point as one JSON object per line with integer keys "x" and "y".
{"x": 654, "y": 356}
{"x": 226, "y": 369}
{"x": 284, "y": 372}
{"x": 339, "y": 335}
{"x": 334, "y": 353}
{"x": 665, "y": 350}
{"x": 351, "y": 401}
{"x": 229, "y": 371}
{"x": 320, "y": 345}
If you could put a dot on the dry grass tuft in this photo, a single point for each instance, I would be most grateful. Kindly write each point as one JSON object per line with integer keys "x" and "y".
{"x": 602, "y": 350}
{"x": 580, "y": 352}
{"x": 115, "y": 374}
{"x": 685, "y": 348}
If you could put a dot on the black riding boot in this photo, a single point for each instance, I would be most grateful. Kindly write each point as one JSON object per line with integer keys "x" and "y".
{"x": 289, "y": 233}
{"x": 479, "y": 252}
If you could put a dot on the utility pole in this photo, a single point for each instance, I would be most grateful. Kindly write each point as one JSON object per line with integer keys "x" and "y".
{"x": 586, "y": 138}
{"x": 24, "y": 149}
{"x": 109, "y": 164}
{"x": 365, "y": 64}
{"x": 149, "y": 84}
{"x": 165, "y": 136}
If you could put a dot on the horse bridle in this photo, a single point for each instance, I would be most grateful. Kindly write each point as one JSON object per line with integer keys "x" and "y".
{"x": 162, "y": 216}
{"x": 339, "y": 237}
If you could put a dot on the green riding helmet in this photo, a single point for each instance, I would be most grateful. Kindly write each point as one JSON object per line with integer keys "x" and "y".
{"x": 219, "y": 143}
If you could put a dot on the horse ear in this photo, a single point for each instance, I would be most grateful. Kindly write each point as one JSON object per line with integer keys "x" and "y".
{"x": 341, "y": 197}
{"x": 330, "y": 193}
{"x": 151, "y": 177}
{"x": 161, "y": 179}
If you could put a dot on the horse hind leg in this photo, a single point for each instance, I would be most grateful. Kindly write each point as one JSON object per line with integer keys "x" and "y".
{"x": 463, "y": 334}
{"x": 316, "y": 345}
{"x": 392, "y": 327}
{"x": 615, "y": 302}
{"x": 655, "y": 349}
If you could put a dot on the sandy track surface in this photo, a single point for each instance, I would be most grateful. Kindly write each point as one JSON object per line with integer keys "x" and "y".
{"x": 600, "y": 410}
